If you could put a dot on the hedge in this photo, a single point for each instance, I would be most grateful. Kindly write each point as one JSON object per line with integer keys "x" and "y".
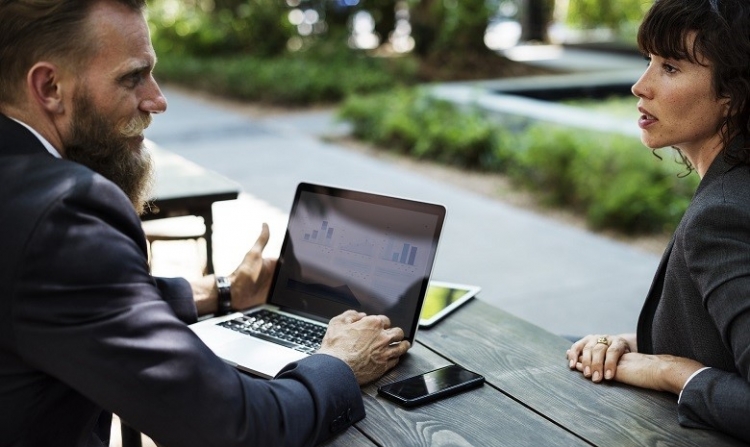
{"x": 612, "y": 179}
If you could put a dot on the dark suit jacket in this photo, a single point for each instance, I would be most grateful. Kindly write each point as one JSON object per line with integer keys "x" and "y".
{"x": 699, "y": 303}
{"x": 84, "y": 327}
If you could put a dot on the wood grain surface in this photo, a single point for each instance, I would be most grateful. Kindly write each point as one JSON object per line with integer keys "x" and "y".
{"x": 478, "y": 417}
{"x": 528, "y": 364}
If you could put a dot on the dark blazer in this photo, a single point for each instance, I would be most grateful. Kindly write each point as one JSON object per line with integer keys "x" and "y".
{"x": 699, "y": 303}
{"x": 84, "y": 327}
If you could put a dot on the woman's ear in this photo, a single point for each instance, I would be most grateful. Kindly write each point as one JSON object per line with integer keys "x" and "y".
{"x": 43, "y": 82}
{"x": 726, "y": 105}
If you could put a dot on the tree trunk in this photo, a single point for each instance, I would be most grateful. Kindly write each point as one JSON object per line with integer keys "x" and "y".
{"x": 537, "y": 15}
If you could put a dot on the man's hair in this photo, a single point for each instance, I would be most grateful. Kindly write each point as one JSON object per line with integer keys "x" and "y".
{"x": 36, "y": 30}
{"x": 722, "y": 36}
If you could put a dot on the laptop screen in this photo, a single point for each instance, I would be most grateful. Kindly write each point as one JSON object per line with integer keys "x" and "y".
{"x": 355, "y": 250}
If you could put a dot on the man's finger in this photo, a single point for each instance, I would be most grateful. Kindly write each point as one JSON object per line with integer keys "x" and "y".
{"x": 351, "y": 316}
{"x": 262, "y": 240}
{"x": 399, "y": 349}
{"x": 395, "y": 334}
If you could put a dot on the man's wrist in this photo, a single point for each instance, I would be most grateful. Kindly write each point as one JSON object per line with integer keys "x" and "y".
{"x": 224, "y": 295}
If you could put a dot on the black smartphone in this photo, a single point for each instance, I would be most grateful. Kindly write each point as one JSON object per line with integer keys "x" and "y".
{"x": 431, "y": 386}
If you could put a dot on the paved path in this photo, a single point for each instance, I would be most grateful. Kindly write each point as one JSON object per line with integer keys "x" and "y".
{"x": 564, "y": 279}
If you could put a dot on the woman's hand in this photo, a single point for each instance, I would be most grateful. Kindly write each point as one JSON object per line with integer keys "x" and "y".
{"x": 597, "y": 356}
{"x": 612, "y": 357}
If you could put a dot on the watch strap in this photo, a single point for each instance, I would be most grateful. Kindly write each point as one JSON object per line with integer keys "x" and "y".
{"x": 225, "y": 295}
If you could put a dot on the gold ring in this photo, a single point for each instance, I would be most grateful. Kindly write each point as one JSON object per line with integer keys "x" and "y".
{"x": 603, "y": 340}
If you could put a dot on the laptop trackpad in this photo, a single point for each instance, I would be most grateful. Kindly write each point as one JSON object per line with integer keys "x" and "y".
{"x": 257, "y": 357}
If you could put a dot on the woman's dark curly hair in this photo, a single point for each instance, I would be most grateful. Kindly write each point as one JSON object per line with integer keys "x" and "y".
{"x": 722, "y": 36}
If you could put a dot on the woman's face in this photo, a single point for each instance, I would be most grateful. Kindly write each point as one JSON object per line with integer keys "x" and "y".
{"x": 679, "y": 107}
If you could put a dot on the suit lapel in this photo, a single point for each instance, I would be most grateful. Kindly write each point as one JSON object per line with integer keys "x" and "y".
{"x": 646, "y": 318}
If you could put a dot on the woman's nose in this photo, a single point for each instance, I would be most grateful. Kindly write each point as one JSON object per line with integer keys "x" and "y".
{"x": 640, "y": 88}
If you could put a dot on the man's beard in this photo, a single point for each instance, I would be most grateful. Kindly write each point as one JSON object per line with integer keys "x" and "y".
{"x": 108, "y": 148}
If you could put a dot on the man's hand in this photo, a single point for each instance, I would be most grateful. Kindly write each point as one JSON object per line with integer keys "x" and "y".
{"x": 368, "y": 344}
{"x": 252, "y": 279}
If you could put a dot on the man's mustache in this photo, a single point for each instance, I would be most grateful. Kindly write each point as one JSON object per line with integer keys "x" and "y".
{"x": 136, "y": 126}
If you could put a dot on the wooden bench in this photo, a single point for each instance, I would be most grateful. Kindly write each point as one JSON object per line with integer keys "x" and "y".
{"x": 184, "y": 188}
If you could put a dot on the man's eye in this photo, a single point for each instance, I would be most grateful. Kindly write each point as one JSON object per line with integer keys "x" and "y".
{"x": 669, "y": 68}
{"x": 133, "y": 80}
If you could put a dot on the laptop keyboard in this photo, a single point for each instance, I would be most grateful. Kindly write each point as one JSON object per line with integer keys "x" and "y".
{"x": 278, "y": 328}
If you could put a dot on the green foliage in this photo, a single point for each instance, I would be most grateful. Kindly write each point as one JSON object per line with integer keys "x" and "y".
{"x": 544, "y": 161}
{"x": 450, "y": 26}
{"x": 292, "y": 79}
{"x": 463, "y": 25}
{"x": 615, "y": 180}
{"x": 612, "y": 179}
{"x": 606, "y": 13}
{"x": 262, "y": 27}
{"x": 215, "y": 27}
{"x": 412, "y": 122}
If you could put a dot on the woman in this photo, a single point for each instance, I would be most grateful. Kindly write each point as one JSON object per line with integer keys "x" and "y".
{"x": 693, "y": 335}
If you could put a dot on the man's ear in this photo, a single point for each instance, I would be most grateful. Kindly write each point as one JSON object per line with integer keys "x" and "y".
{"x": 43, "y": 81}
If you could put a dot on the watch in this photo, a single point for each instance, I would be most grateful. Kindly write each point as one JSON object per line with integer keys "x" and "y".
{"x": 225, "y": 295}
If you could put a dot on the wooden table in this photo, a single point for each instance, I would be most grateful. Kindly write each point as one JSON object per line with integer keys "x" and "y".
{"x": 530, "y": 398}
{"x": 184, "y": 188}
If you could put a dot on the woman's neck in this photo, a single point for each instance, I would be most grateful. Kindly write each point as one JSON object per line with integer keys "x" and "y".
{"x": 702, "y": 157}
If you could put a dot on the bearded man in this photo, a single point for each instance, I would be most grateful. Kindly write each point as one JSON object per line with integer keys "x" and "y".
{"x": 85, "y": 330}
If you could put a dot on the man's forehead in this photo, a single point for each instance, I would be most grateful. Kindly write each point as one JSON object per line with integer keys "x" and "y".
{"x": 121, "y": 36}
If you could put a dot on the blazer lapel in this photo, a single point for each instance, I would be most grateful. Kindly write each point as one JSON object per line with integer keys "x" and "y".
{"x": 646, "y": 318}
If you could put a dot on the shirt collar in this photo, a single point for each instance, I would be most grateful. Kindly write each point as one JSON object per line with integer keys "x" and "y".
{"x": 51, "y": 149}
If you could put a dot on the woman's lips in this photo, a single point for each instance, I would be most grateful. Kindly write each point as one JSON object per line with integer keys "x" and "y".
{"x": 646, "y": 118}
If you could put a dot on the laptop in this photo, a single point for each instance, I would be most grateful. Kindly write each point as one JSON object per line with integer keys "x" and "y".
{"x": 343, "y": 249}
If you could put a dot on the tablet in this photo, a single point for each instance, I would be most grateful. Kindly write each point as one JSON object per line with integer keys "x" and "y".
{"x": 443, "y": 298}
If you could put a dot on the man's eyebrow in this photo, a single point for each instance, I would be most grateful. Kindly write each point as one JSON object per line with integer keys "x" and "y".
{"x": 145, "y": 67}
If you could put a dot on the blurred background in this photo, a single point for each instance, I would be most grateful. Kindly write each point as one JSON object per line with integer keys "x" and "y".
{"x": 374, "y": 61}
